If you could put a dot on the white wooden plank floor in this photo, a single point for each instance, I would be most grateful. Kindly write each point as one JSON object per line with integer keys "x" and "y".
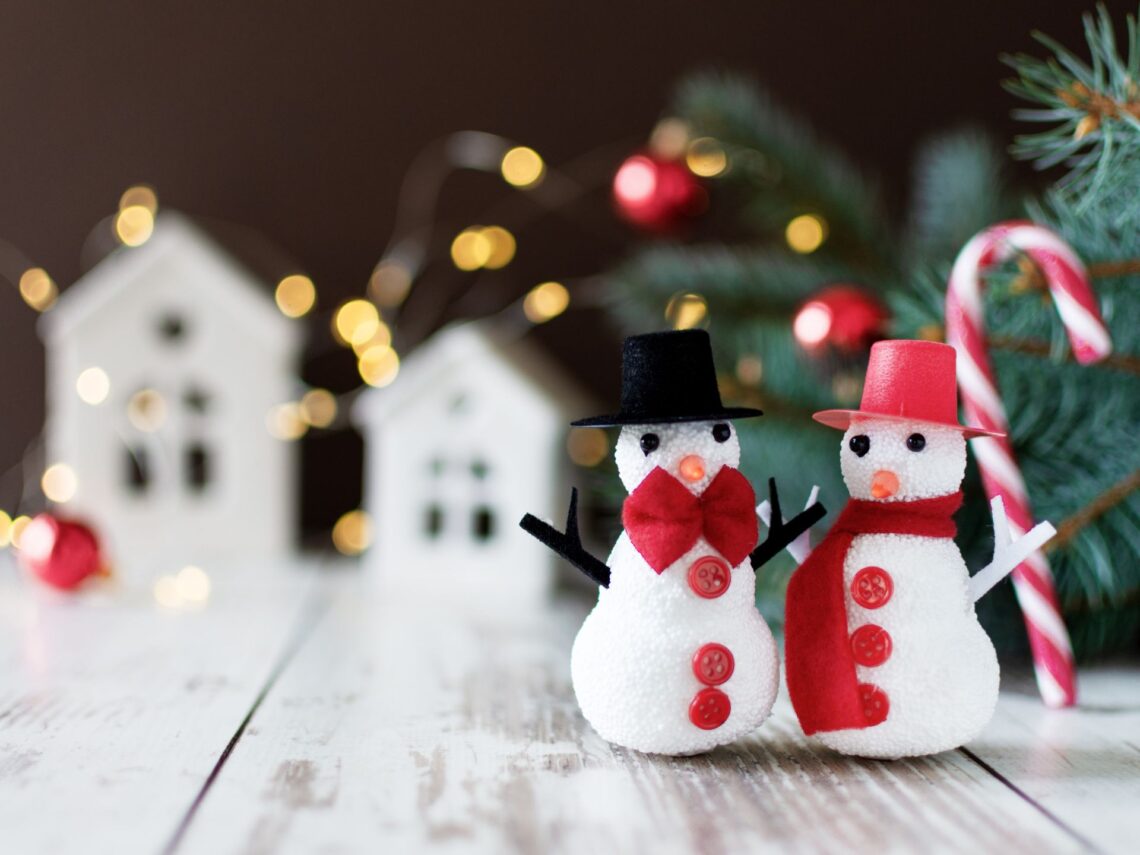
{"x": 296, "y": 713}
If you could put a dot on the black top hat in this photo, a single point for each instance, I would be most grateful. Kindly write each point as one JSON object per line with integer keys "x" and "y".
{"x": 668, "y": 377}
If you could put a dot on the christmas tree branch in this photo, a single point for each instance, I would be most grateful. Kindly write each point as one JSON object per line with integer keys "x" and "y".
{"x": 1106, "y": 501}
{"x": 1094, "y": 109}
{"x": 1108, "y": 269}
{"x": 1032, "y": 347}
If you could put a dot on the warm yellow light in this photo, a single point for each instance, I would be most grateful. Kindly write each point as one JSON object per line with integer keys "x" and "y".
{"x": 285, "y": 421}
{"x": 378, "y": 365}
{"x": 382, "y": 337}
{"x": 295, "y": 295}
{"x": 356, "y": 321}
{"x": 352, "y": 533}
{"x": 16, "y": 529}
{"x": 390, "y": 283}
{"x": 134, "y": 225}
{"x": 471, "y": 248}
{"x": 59, "y": 483}
{"x": 522, "y": 167}
{"x": 38, "y": 289}
{"x": 146, "y": 410}
{"x": 806, "y": 233}
{"x": 166, "y": 592}
{"x": 93, "y": 385}
{"x": 670, "y": 139}
{"x": 502, "y": 247}
{"x": 5, "y": 529}
{"x": 139, "y": 196}
{"x": 545, "y": 301}
{"x": 587, "y": 446}
{"x": 192, "y": 585}
{"x": 706, "y": 158}
{"x": 318, "y": 407}
{"x": 847, "y": 387}
{"x": 686, "y": 311}
{"x": 188, "y": 588}
{"x": 749, "y": 370}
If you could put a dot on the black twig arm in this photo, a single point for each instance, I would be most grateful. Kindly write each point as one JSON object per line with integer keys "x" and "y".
{"x": 568, "y": 545}
{"x": 781, "y": 533}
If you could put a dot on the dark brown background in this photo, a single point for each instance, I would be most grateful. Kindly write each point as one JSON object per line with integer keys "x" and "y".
{"x": 300, "y": 118}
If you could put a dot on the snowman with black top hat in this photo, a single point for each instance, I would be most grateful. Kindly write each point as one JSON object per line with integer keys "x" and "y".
{"x": 675, "y": 658}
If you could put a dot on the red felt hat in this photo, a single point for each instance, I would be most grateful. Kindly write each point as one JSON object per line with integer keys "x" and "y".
{"x": 908, "y": 381}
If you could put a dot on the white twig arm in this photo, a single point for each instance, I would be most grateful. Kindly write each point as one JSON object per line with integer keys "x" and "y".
{"x": 799, "y": 548}
{"x": 1008, "y": 551}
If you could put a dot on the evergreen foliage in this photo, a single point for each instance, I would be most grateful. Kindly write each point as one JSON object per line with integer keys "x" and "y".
{"x": 1073, "y": 427}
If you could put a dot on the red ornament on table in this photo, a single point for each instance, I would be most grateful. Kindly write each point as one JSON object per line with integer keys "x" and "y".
{"x": 844, "y": 318}
{"x": 656, "y": 194}
{"x": 60, "y": 552}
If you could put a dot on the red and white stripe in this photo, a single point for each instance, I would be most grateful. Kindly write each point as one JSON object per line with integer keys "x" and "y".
{"x": 965, "y": 330}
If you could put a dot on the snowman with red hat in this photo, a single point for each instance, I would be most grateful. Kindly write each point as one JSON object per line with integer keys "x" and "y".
{"x": 675, "y": 658}
{"x": 885, "y": 655}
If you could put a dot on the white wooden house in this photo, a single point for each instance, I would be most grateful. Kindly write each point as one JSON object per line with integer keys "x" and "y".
{"x": 184, "y": 354}
{"x": 468, "y": 438}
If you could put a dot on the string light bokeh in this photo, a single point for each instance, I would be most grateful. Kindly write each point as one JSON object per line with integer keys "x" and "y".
{"x": 360, "y": 324}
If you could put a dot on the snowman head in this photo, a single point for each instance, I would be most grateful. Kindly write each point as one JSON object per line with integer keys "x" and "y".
{"x": 895, "y": 461}
{"x": 692, "y": 452}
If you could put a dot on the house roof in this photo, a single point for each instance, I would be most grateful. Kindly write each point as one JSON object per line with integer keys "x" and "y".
{"x": 174, "y": 234}
{"x": 462, "y": 342}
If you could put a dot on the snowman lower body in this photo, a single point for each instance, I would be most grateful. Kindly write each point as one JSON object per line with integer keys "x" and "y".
{"x": 941, "y": 677}
{"x": 635, "y": 681}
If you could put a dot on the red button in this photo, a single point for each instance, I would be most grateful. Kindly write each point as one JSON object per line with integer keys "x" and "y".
{"x": 875, "y": 703}
{"x": 709, "y": 577}
{"x": 870, "y": 645}
{"x": 872, "y": 587}
{"x": 713, "y": 664}
{"x": 709, "y": 709}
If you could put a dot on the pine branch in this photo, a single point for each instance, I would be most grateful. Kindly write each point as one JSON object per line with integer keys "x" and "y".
{"x": 1106, "y": 501}
{"x": 786, "y": 170}
{"x": 960, "y": 187}
{"x": 1094, "y": 109}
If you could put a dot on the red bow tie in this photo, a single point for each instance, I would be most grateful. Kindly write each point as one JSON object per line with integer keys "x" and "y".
{"x": 664, "y": 520}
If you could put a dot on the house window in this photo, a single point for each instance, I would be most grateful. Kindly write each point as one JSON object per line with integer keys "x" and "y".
{"x": 137, "y": 469}
{"x": 477, "y": 520}
{"x": 196, "y": 400}
{"x": 197, "y": 463}
{"x": 433, "y": 521}
{"x": 483, "y": 523}
{"x": 172, "y": 328}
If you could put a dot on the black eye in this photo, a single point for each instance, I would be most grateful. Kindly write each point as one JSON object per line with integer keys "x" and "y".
{"x": 860, "y": 444}
{"x": 649, "y": 443}
{"x": 721, "y": 432}
{"x": 916, "y": 442}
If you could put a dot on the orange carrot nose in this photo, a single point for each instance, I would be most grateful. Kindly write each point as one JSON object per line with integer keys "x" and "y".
{"x": 884, "y": 484}
{"x": 692, "y": 467}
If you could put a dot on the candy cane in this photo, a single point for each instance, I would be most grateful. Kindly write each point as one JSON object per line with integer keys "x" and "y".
{"x": 965, "y": 330}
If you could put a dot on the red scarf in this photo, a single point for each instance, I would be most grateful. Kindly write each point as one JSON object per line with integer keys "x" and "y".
{"x": 664, "y": 519}
{"x": 820, "y": 667}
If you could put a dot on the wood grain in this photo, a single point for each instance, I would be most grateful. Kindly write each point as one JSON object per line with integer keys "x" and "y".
{"x": 298, "y": 713}
{"x": 410, "y": 729}
{"x": 113, "y": 710}
{"x": 1081, "y": 765}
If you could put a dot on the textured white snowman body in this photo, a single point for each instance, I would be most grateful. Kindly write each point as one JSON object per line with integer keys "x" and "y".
{"x": 658, "y": 646}
{"x": 941, "y": 673}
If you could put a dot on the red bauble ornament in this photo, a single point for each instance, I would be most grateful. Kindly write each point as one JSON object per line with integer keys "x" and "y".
{"x": 844, "y": 318}
{"x": 60, "y": 552}
{"x": 657, "y": 195}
